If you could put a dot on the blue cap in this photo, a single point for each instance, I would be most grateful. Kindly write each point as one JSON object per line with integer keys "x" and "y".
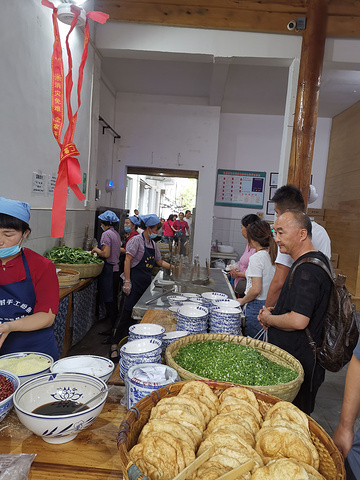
{"x": 14, "y": 208}
{"x": 134, "y": 219}
{"x": 150, "y": 220}
{"x": 108, "y": 216}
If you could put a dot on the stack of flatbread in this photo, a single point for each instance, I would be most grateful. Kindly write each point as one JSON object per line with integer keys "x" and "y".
{"x": 183, "y": 427}
{"x": 232, "y": 432}
{"x": 168, "y": 442}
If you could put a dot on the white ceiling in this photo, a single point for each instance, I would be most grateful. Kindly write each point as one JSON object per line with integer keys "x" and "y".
{"x": 237, "y": 88}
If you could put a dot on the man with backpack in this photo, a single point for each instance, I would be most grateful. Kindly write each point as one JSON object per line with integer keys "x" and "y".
{"x": 285, "y": 198}
{"x": 302, "y": 303}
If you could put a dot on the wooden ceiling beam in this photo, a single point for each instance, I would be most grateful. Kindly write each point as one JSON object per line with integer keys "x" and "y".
{"x": 247, "y": 15}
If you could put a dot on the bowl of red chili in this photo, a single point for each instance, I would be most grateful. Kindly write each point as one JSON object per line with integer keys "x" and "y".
{"x": 9, "y": 383}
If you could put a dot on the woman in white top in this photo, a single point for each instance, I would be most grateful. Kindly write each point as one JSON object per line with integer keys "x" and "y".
{"x": 259, "y": 274}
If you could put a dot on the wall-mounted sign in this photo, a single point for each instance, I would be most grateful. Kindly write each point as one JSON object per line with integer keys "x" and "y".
{"x": 38, "y": 183}
{"x": 236, "y": 188}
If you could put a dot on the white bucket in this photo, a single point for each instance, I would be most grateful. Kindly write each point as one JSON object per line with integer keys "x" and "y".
{"x": 145, "y": 378}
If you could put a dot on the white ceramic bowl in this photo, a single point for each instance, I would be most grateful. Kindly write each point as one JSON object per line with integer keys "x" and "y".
{"x": 146, "y": 330}
{"x": 171, "y": 336}
{"x": 7, "y": 403}
{"x": 195, "y": 311}
{"x": 100, "y": 367}
{"x": 51, "y": 387}
{"x": 176, "y": 299}
{"x": 143, "y": 347}
{"x": 225, "y": 249}
{"x": 226, "y": 311}
{"x": 24, "y": 378}
{"x": 212, "y": 296}
{"x": 191, "y": 295}
{"x": 227, "y": 302}
{"x": 173, "y": 308}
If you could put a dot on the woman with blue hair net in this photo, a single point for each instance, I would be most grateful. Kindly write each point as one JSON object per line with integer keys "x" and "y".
{"x": 109, "y": 251}
{"x": 142, "y": 254}
{"x": 29, "y": 287}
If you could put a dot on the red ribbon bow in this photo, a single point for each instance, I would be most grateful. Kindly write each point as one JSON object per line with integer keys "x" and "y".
{"x": 69, "y": 173}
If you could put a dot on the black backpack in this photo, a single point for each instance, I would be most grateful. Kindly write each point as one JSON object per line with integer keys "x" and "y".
{"x": 340, "y": 331}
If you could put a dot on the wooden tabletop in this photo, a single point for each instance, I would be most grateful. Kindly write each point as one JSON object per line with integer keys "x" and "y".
{"x": 92, "y": 455}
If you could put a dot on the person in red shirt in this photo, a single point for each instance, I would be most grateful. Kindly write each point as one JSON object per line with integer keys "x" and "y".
{"x": 29, "y": 287}
{"x": 181, "y": 227}
{"x": 168, "y": 229}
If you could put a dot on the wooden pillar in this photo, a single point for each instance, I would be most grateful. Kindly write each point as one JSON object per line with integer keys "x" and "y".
{"x": 307, "y": 101}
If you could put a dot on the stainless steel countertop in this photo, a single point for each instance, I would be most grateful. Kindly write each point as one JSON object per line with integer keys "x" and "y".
{"x": 218, "y": 283}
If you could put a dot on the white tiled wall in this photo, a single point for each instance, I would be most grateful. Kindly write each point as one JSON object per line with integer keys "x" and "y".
{"x": 76, "y": 220}
{"x": 228, "y": 232}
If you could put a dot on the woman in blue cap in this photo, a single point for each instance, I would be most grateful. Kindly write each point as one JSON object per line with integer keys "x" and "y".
{"x": 109, "y": 251}
{"x": 142, "y": 254}
{"x": 130, "y": 226}
{"x": 29, "y": 288}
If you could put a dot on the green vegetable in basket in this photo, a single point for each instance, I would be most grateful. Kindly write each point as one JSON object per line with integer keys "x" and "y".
{"x": 230, "y": 362}
{"x": 71, "y": 256}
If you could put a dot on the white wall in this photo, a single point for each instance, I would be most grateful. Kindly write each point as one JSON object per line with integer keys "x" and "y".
{"x": 26, "y": 139}
{"x": 180, "y": 137}
{"x": 253, "y": 142}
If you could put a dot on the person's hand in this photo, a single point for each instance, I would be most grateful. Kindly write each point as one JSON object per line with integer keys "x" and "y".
{"x": 343, "y": 439}
{"x": 127, "y": 287}
{"x": 4, "y": 332}
{"x": 264, "y": 316}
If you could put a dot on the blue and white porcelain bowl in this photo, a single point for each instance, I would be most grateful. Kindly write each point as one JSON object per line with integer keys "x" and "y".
{"x": 145, "y": 347}
{"x": 192, "y": 311}
{"x": 46, "y": 361}
{"x": 191, "y": 296}
{"x": 7, "y": 404}
{"x": 146, "y": 330}
{"x": 176, "y": 299}
{"x": 227, "y": 302}
{"x": 100, "y": 367}
{"x": 210, "y": 297}
{"x": 51, "y": 387}
{"x": 170, "y": 337}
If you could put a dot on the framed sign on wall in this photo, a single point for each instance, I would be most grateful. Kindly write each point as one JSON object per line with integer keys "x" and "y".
{"x": 238, "y": 188}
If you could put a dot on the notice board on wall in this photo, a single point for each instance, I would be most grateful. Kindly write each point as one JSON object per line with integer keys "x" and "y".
{"x": 238, "y": 188}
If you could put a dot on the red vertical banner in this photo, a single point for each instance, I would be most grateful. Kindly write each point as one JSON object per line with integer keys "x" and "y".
{"x": 69, "y": 172}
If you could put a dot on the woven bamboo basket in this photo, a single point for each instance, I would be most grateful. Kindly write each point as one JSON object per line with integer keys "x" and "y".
{"x": 86, "y": 270}
{"x": 286, "y": 391}
{"x": 68, "y": 277}
{"x": 331, "y": 461}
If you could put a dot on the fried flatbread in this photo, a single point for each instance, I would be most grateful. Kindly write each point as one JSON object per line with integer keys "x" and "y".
{"x": 239, "y": 429}
{"x": 233, "y": 403}
{"x": 233, "y": 418}
{"x": 200, "y": 388}
{"x": 241, "y": 393}
{"x": 159, "y": 425}
{"x": 180, "y": 412}
{"x": 278, "y": 442}
{"x": 191, "y": 403}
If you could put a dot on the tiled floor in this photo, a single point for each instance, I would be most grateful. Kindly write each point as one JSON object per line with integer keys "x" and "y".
{"x": 328, "y": 402}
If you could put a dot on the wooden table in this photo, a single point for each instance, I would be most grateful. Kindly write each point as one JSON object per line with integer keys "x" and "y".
{"x": 92, "y": 455}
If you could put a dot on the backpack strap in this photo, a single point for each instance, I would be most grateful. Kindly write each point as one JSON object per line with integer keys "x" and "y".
{"x": 331, "y": 274}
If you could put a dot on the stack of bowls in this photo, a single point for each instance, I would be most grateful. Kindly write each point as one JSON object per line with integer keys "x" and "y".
{"x": 210, "y": 297}
{"x": 192, "y": 318}
{"x": 191, "y": 296}
{"x": 170, "y": 337}
{"x": 146, "y": 330}
{"x": 145, "y": 350}
{"x": 225, "y": 320}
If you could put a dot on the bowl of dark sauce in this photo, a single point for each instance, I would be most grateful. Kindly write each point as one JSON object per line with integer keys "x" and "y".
{"x": 46, "y": 404}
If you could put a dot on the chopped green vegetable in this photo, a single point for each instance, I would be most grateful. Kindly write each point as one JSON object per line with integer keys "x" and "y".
{"x": 71, "y": 256}
{"x": 230, "y": 362}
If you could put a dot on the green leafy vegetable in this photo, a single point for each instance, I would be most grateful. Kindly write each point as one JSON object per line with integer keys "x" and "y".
{"x": 231, "y": 362}
{"x": 71, "y": 256}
